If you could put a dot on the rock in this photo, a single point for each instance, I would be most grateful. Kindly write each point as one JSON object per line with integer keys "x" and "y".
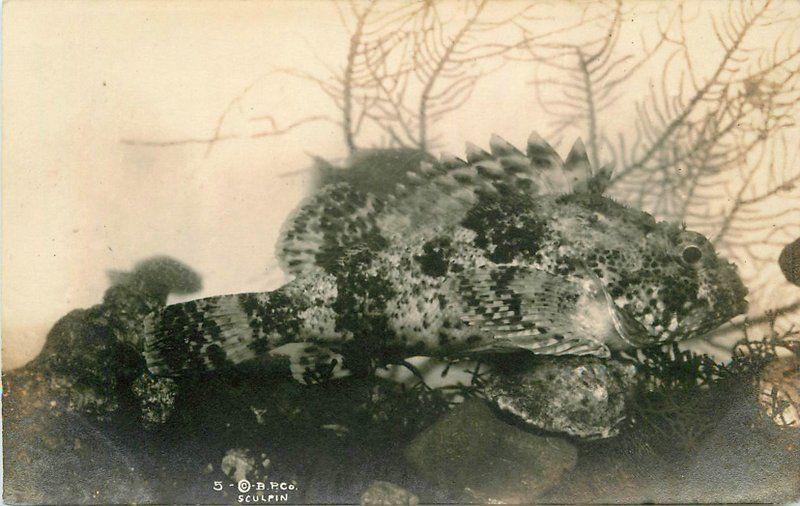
{"x": 156, "y": 398}
{"x": 91, "y": 355}
{"x": 470, "y": 450}
{"x": 84, "y": 362}
{"x": 581, "y": 396}
{"x": 789, "y": 262}
{"x": 383, "y": 492}
{"x": 54, "y": 455}
{"x": 239, "y": 464}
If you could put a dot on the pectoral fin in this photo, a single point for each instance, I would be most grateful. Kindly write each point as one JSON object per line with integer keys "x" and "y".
{"x": 522, "y": 307}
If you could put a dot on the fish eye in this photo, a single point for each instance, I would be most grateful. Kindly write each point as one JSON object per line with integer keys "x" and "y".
{"x": 691, "y": 254}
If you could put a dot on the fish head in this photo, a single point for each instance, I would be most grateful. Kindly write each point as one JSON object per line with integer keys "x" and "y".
{"x": 664, "y": 283}
{"x": 680, "y": 287}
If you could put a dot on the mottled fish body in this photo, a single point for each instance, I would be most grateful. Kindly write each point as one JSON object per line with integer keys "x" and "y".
{"x": 503, "y": 251}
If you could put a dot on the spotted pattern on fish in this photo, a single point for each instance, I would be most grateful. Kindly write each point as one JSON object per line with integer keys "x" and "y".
{"x": 504, "y": 250}
{"x": 344, "y": 216}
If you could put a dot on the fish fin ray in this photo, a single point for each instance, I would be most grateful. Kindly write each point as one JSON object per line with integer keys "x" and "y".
{"x": 199, "y": 335}
{"x": 541, "y": 312}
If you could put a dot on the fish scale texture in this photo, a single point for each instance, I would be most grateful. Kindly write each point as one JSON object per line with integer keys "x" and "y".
{"x": 503, "y": 251}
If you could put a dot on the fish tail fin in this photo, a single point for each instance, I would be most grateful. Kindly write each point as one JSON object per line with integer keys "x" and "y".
{"x": 204, "y": 335}
{"x": 219, "y": 333}
{"x": 152, "y": 355}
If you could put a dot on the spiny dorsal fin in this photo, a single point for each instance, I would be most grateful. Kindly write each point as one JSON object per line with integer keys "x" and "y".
{"x": 598, "y": 182}
{"x": 449, "y": 160}
{"x": 538, "y": 171}
{"x": 577, "y": 167}
{"x": 476, "y": 154}
{"x": 490, "y": 168}
{"x": 429, "y": 169}
{"x": 501, "y": 147}
{"x": 541, "y": 153}
{"x": 578, "y": 160}
{"x": 344, "y": 215}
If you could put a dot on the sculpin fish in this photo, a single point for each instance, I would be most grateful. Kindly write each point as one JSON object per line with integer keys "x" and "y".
{"x": 504, "y": 251}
